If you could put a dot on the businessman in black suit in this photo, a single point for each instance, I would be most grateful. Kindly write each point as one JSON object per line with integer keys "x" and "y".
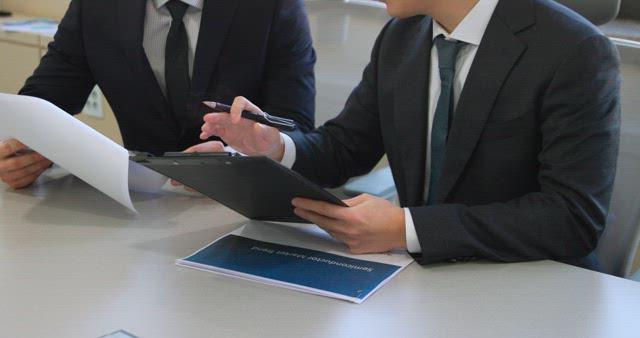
{"x": 154, "y": 58}
{"x": 501, "y": 122}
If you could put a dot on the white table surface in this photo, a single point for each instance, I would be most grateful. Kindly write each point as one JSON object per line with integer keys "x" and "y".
{"x": 73, "y": 263}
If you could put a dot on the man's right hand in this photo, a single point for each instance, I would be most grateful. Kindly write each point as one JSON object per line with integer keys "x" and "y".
{"x": 19, "y": 166}
{"x": 207, "y": 147}
{"x": 245, "y": 136}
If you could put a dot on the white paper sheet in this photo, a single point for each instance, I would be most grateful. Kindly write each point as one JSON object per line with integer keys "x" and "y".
{"x": 75, "y": 147}
{"x": 143, "y": 179}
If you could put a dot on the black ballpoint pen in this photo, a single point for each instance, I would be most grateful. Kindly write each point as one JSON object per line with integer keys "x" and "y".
{"x": 262, "y": 118}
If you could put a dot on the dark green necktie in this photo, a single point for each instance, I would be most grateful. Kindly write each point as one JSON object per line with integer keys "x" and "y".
{"x": 176, "y": 61}
{"x": 447, "y": 55}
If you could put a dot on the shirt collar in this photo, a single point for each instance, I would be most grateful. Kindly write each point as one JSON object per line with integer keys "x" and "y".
{"x": 471, "y": 29}
{"x": 199, "y": 4}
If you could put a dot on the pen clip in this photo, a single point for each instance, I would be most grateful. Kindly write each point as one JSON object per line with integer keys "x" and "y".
{"x": 280, "y": 123}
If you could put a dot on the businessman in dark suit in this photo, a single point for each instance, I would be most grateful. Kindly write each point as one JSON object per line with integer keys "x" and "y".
{"x": 154, "y": 58}
{"x": 501, "y": 122}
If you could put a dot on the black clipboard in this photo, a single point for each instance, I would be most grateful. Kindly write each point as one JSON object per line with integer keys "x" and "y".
{"x": 254, "y": 186}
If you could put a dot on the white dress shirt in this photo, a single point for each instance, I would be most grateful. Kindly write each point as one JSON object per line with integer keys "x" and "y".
{"x": 471, "y": 31}
{"x": 157, "y": 23}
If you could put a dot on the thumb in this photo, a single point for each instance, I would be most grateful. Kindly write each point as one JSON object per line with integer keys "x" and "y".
{"x": 10, "y": 147}
{"x": 207, "y": 147}
{"x": 352, "y": 202}
{"x": 240, "y": 104}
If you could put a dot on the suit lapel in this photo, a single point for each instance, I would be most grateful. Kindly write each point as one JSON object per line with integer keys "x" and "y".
{"x": 411, "y": 113}
{"x": 498, "y": 53}
{"x": 217, "y": 17}
{"x": 131, "y": 16}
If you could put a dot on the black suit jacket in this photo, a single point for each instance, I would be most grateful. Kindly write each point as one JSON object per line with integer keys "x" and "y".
{"x": 259, "y": 49}
{"x": 531, "y": 156}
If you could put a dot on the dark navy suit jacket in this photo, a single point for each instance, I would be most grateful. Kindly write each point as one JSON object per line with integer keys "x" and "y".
{"x": 531, "y": 156}
{"x": 258, "y": 49}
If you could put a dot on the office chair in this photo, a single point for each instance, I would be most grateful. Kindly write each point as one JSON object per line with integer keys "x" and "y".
{"x": 630, "y": 9}
{"x": 619, "y": 243}
{"x": 599, "y": 12}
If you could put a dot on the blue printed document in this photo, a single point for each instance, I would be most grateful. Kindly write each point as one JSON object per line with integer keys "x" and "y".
{"x": 300, "y": 257}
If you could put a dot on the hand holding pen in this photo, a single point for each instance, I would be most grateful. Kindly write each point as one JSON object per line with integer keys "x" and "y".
{"x": 243, "y": 134}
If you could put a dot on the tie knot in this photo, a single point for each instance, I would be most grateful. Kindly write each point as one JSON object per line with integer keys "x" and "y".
{"x": 177, "y": 9}
{"x": 448, "y": 52}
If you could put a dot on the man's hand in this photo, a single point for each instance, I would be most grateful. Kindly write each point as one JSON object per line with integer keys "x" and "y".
{"x": 247, "y": 137}
{"x": 20, "y": 167}
{"x": 207, "y": 147}
{"x": 369, "y": 225}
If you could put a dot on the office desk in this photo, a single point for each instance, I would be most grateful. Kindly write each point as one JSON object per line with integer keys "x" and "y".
{"x": 75, "y": 264}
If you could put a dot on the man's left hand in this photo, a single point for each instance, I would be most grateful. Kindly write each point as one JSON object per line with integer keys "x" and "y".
{"x": 369, "y": 225}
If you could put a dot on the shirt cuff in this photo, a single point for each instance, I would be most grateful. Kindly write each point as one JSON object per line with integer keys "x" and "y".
{"x": 289, "y": 158}
{"x": 232, "y": 150}
{"x": 413, "y": 244}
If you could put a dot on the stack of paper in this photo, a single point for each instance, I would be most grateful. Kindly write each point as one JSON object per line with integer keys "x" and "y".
{"x": 300, "y": 257}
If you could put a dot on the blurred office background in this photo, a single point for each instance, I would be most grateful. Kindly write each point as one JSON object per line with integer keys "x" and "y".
{"x": 344, "y": 32}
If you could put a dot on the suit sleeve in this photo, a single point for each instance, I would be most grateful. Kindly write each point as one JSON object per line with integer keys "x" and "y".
{"x": 289, "y": 86}
{"x": 348, "y": 145}
{"x": 580, "y": 128}
{"x": 63, "y": 76}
